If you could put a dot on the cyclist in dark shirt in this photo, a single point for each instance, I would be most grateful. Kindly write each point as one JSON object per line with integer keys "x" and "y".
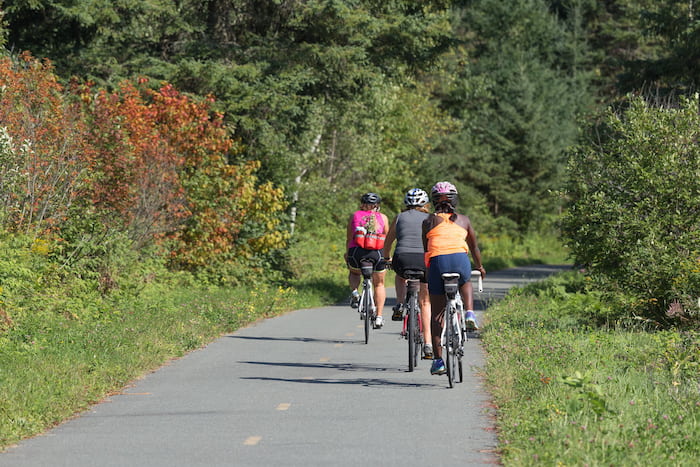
{"x": 448, "y": 239}
{"x": 408, "y": 254}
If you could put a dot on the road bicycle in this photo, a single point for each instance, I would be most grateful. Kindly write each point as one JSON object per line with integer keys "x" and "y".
{"x": 412, "y": 325}
{"x": 367, "y": 308}
{"x": 454, "y": 328}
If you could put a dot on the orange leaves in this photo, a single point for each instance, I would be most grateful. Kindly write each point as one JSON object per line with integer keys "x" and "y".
{"x": 153, "y": 163}
{"x": 43, "y": 167}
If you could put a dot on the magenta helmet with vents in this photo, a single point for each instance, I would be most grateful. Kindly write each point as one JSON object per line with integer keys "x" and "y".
{"x": 416, "y": 197}
{"x": 444, "y": 192}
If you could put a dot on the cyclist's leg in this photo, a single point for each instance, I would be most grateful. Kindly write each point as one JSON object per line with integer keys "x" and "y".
{"x": 378, "y": 283}
{"x": 459, "y": 262}
{"x": 437, "y": 305}
{"x": 400, "y": 285}
{"x": 436, "y": 292}
{"x": 462, "y": 264}
{"x": 379, "y": 290}
{"x": 353, "y": 263}
{"x": 354, "y": 279}
{"x": 466, "y": 290}
{"x": 354, "y": 276}
{"x": 424, "y": 299}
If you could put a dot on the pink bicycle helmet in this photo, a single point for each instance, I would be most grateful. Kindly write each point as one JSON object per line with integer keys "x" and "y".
{"x": 444, "y": 192}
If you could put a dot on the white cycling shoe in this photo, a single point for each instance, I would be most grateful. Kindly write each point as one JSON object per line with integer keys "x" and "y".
{"x": 378, "y": 322}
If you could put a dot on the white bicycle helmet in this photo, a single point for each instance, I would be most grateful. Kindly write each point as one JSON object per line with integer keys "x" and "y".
{"x": 415, "y": 197}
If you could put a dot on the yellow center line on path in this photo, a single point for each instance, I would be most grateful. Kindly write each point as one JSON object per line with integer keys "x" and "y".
{"x": 349, "y": 334}
{"x": 337, "y": 345}
{"x": 252, "y": 440}
{"x": 283, "y": 406}
{"x": 324, "y": 359}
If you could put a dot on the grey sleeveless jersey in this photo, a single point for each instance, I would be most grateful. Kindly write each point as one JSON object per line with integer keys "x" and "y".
{"x": 409, "y": 231}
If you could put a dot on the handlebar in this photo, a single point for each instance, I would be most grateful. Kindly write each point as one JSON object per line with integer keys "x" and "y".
{"x": 476, "y": 272}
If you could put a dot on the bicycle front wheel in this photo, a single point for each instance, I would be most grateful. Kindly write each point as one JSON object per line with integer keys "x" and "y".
{"x": 413, "y": 333}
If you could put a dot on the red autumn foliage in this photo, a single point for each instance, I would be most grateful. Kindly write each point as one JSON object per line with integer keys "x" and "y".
{"x": 176, "y": 159}
{"x": 46, "y": 149}
{"x": 150, "y": 162}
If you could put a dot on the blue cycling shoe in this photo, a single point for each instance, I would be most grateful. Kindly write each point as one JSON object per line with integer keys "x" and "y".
{"x": 438, "y": 367}
{"x": 470, "y": 321}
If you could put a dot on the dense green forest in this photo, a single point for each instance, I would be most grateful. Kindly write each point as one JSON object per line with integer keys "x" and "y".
{"x": 218, "y": 133}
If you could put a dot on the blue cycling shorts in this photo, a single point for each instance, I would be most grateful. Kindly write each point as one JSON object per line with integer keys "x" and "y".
{"x": 455, "y": 262}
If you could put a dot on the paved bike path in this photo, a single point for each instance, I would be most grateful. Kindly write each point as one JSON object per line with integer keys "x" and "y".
{"x": 301, "y": 389}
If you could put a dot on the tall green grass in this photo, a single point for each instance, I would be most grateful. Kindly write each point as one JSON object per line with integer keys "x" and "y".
{"x": 570, "y": 393}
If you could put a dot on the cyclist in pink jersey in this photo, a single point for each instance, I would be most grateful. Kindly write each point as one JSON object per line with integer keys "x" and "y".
{"x": 448, "y": 239}
{"x": 369, "y": 218}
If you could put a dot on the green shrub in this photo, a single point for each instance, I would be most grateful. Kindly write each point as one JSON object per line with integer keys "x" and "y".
{"x": 634, "y": 208}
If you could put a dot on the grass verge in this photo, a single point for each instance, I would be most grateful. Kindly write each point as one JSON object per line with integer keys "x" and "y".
{"x": 571, "y": 394}
{"x": 52, "y": 367}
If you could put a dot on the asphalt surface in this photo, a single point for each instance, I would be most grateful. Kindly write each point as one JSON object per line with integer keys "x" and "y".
{"x": 302, "y": 389}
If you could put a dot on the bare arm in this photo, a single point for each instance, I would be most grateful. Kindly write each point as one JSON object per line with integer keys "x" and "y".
{"x": 390, "y": 237}
{"x": 350, "y": 233}
{"x": 474, "y": 250}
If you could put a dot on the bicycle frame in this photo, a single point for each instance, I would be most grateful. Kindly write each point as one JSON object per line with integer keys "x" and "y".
{"x": 367, "y": 306}
{"x": 412, "y": 323}
{"x": 454, "y": 332}
{"x": 451, "y": 337}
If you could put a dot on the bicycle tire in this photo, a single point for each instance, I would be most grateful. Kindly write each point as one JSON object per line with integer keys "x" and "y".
{"x": 460, "y": 369}
{"x": 413, "y": 333}
{"x": 449, "y": 352}
{"x": 367, "y": 310}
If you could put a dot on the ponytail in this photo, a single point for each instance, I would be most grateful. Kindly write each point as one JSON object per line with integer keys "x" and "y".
{"x": 447, "y": 207}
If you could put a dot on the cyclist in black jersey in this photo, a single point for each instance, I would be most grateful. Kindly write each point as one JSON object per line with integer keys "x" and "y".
{"x": 406, "y": 230}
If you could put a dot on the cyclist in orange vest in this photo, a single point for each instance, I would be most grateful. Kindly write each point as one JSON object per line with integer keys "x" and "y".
{"x": 448, "y": 239}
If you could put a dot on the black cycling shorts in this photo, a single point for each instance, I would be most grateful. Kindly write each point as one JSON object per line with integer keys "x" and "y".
{"x": 403, "y": 261}
{"x": 356, "y": 254}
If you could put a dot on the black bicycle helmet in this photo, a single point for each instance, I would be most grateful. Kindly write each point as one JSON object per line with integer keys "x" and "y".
{"x": 371, "y": 198}
{"x": 444, "y": 192}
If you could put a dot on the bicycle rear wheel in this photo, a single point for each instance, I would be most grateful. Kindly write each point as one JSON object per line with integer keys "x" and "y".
{"x": 367, "y": 311}
{"x": 367, "y": 308}
{"x": 450, "y": 350}
{"x": 413, "y": 333}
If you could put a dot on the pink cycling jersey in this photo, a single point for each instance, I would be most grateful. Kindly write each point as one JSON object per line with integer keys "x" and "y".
{"x": 361, "y": 218}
